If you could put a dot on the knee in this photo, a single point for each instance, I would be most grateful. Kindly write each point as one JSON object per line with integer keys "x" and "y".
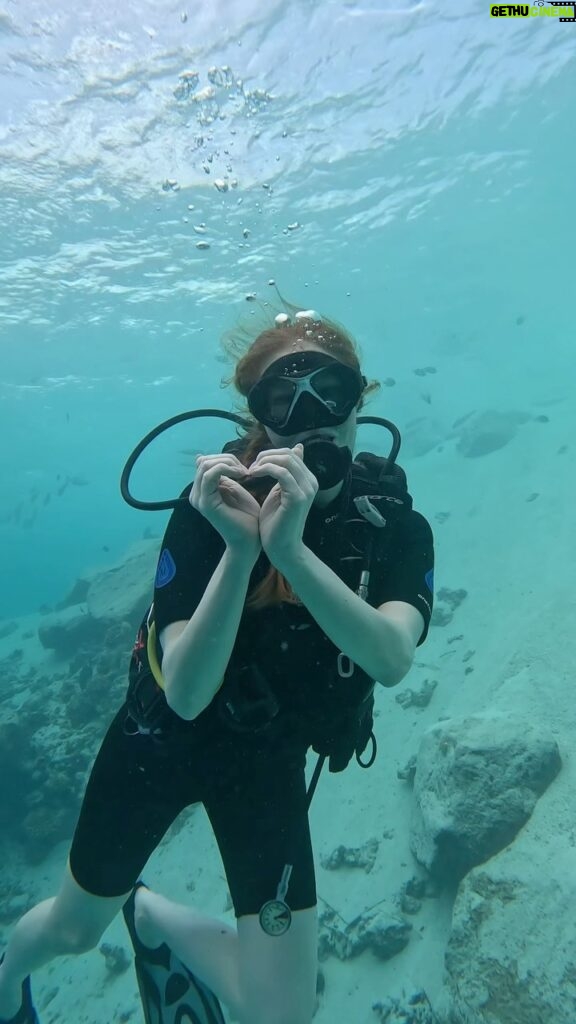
{"x": 76, "y": 920}
{"x": 72, "y": 938}
{"x": 75, "y": 942}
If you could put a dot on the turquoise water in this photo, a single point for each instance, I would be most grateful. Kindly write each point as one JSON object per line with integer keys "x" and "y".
{"x": 407, "y": 170}
{"x": 426, "y": 154}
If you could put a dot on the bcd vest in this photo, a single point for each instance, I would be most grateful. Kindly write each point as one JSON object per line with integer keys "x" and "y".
{"x": 351, "y": 538}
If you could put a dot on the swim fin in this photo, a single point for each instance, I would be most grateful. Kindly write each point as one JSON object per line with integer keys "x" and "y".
{"x": 170, "y": 993}
{"x": 26, "y": 1014}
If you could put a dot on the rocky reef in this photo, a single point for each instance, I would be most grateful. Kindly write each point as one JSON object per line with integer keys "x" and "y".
{"x": 54, "y": 718}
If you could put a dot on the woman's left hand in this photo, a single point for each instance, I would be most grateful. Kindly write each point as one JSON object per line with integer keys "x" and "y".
{"x": 284, "y": 512}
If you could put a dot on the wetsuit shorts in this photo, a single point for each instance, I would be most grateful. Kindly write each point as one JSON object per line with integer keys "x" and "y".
{"x": 253, "y": 789}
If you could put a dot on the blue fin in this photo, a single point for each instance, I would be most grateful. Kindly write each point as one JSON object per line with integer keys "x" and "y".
{"x": 170, "y": 993}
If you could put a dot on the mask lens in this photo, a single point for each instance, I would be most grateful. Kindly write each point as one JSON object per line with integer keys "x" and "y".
{"x": 333, "y": 387}
{"x": 270, "y": 399}
{"x": 277, "y": 397}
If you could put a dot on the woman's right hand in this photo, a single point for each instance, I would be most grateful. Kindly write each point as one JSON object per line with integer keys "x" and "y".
{"x": 225, "y": 503}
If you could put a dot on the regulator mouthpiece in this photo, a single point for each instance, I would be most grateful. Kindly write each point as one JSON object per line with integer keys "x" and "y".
{"x": 327, "y": 461}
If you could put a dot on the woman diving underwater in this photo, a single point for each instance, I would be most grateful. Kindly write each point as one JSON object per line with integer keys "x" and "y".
{"x": 270, "y": 630}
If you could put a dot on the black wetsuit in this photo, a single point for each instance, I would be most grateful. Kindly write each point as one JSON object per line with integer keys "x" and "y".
{"x": 251, "y": 784}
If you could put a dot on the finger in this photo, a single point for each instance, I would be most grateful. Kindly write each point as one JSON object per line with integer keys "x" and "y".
{"x": 204, "y": 462}
{"x": 225, "y": 463}
{"x": 271, "y": 452}
{"x": 236, "y": 496}
{"x": 286, "y": 458}
{"x": 206, "y": 485}
{"x": 221, "y": 456}
{"x": 287, "y": 480}
{"x": 289, "y": 457}
{"x": 283, "y": 456}
{"x": 213, "y": 475}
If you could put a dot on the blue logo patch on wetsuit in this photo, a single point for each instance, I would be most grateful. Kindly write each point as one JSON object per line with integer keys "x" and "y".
{"x": 429, "y": 580}
{"x": 166, "y": 570}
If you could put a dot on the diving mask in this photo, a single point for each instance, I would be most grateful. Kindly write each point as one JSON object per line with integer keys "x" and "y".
{"x": 305, "y": 390}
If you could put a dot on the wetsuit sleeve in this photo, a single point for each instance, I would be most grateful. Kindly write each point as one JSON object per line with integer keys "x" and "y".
{"x": 406, "y": 572}
{"x": 190, "y": 553}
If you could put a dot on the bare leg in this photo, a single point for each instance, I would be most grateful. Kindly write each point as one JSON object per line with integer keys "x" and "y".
{"x": 71, "y": 922}
{"x": 262, "y": 980}
{"x": 208, "y": 947}
{"x": 279, "y": 973}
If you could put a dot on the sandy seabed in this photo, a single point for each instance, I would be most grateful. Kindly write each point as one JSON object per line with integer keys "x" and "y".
{"x": 504, "y": 534}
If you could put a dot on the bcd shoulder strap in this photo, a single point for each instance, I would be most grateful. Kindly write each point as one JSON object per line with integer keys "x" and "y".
{"x": 379, "y": 492}
{"x": 371, "y": 470}
{"x": 384, "y": 486}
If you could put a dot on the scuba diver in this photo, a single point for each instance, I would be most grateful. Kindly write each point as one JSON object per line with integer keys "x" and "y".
{"x": 291, "y": 578}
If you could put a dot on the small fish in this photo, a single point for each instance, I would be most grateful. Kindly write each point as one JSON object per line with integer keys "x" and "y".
{"x": 462, "y": 419}
{"x": 78, "y": 481}
{"x": 47, "y": 499}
